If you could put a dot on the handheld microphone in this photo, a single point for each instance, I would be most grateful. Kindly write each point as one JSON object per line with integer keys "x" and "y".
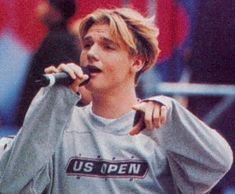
{"x": 62, "y": 78}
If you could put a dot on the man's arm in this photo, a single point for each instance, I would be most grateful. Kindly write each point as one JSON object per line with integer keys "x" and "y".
{"x": 36, "y": 141}
{"x": 198, "y": 155}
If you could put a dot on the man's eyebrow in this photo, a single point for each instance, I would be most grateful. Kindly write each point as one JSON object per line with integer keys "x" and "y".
{"x": 103, "y": 39}
{"x": 107, "y": 40}
{"x": 86, "y": 38}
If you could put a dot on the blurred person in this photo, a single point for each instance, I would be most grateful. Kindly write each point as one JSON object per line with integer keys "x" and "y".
{"x": 59, "y": 46}
{"x": 62, "y": 148}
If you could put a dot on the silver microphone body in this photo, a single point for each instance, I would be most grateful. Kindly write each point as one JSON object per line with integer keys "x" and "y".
{"x": 62, "y": 78}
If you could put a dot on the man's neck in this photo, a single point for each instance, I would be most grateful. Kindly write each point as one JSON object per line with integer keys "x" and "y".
{"x": 114, "y": 104}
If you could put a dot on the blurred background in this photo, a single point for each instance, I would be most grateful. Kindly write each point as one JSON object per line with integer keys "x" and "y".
{"x": 196, "y": 64}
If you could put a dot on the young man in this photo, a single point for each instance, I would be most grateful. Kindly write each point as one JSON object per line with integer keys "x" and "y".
{"x": 62, "y": 148}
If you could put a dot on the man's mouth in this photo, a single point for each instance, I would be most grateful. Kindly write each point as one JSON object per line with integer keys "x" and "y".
{"x": 93, "y": 69}
{"x": 90, "y": 70}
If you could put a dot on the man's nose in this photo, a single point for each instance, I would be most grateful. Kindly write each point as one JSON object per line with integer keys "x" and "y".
{"x": 92, "y": 53}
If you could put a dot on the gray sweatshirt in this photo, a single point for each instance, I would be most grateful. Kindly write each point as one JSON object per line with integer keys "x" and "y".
{"x": 64, "y": 149}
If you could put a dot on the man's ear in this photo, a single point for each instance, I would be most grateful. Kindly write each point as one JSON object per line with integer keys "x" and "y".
{"x": 138, "y": 64}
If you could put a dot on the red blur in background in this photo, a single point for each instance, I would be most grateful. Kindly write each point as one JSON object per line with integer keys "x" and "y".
{"x": 171, "y": 19}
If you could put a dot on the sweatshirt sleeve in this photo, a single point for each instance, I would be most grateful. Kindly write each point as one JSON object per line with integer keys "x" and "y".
{"x": 36, "y": 141}
{"x": 198, "y": 156}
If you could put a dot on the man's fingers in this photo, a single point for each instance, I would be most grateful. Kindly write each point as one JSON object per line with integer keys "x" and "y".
{"x": 51, "y": 69}
{"x": 163, "y": 114}
{"x": 140, "y": 107}
{"x": 74, "y": 71}
{"x": 66, "y": 68}
{"x": 156, "y": 116}
{"x": 148, "y": 116}
{"x": 77, "y": 70}
{"x": 138, "y": 127}
{"x": 147, "y": 109}
{"x": 159, "y": 116}
{"x": 71, "y": 68}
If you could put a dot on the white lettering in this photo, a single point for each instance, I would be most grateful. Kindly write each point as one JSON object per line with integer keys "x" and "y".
{"x": 77, "y": 166}
{"x": 112, "y": 168}
{"x": 122, "y": 169}
{"x": 103, "y": 168}
{"x": 134, "y": 168}
{"x": 88, "y": 167}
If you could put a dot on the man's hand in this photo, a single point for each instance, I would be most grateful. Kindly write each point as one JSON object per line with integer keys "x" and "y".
{"x": 149, "y": 115}
{"x": 73, "y": 70}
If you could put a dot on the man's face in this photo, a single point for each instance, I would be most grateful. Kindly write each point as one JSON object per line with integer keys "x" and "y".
{"x": 109, "y": 60}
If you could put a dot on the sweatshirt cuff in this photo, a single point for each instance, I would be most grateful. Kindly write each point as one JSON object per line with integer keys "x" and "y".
{"x": 164, "y": 100}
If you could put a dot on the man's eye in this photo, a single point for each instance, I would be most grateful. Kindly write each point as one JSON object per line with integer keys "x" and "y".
{"x": 86, "y": 45}
{"x": 109, "y": 47}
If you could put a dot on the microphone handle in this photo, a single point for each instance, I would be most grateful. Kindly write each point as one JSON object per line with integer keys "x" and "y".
{"x": 61, "y": 78}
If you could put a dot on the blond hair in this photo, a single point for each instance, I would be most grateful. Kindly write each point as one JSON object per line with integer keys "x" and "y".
{"x": 137, "y": 32}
